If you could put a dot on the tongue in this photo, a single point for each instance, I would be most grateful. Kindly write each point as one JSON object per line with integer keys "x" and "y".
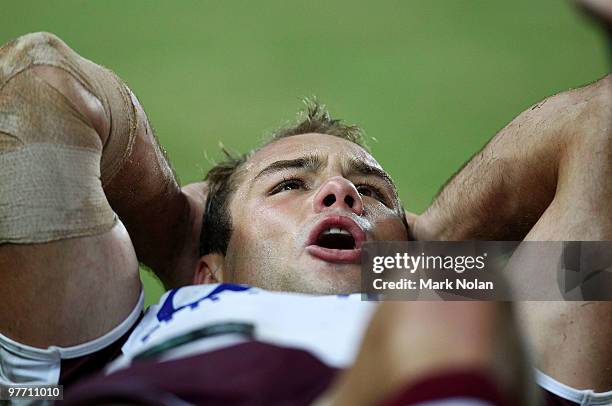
{"x": 336, "y": 241}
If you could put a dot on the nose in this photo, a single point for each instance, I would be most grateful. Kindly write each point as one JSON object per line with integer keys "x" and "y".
{"x": 338, "y": 193}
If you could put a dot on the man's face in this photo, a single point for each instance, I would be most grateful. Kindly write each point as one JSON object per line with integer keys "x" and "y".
{"x": 304, "y": 206}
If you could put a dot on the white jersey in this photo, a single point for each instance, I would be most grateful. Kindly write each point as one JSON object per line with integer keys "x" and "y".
{"x": 330, "y": 327}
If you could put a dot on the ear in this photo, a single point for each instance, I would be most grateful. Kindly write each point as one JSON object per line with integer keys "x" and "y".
{"x": 209, "y": 269}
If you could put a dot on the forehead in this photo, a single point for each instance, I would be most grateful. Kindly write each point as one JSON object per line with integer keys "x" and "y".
{"x": 308, "y": 144}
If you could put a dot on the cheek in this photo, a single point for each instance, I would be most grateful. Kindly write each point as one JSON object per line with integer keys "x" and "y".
{"x": 273, "y": 219}
{"x": 388, "y": 226}
{"x": 266, "y": 222}
{"x": 265, "y": 234}
{"x": 395, "y": 230}
{"x": 281, "y": 215}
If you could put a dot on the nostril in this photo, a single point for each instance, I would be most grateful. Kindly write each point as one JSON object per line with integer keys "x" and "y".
{"x": 349, "y": 201}
{"x": 329, "y": 200}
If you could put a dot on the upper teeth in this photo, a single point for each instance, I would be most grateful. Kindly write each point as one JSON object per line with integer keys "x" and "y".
{"x": 336, "y": 231}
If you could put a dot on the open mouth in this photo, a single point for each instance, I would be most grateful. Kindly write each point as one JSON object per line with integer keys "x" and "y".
{"x": 336, "y": 239}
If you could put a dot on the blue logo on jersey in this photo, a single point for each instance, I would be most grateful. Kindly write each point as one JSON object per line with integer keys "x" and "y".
{"x": 167, "y": 309}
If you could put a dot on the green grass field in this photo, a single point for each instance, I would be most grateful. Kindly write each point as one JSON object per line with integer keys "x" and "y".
{"x": 430, "y": 81}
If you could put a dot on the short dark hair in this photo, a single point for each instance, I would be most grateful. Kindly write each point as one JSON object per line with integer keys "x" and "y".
{"x": 222, "y": 178}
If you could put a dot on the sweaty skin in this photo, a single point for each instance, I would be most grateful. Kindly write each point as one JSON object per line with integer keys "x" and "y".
{"x": 569, "y": 198}
{"x": 544, "y": 177}
{"x": 272, "y": 227}
{"x": 96, "y": 274}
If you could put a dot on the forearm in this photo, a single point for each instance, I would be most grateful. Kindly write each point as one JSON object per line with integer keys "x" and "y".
{"x": 504, "y": 189}
{"x": 136, "y": 177}
{"x": 146, "y": 195}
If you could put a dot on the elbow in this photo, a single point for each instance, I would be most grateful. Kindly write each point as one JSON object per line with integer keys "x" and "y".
{"x": 43, "y": 42}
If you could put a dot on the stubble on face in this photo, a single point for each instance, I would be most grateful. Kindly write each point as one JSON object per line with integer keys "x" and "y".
{"x": 269, "y": 231}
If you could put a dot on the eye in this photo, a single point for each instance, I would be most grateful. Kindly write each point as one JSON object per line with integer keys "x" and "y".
{"x": 287, "y": 184}
{"x": 370, "y": 191}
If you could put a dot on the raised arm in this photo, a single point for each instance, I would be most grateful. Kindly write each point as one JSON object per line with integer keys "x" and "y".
{"x": 75, "y": 148}
{"x": 136, "y": 176}
{"x": 547, "y": 176}
{"x": 554, "y": 156}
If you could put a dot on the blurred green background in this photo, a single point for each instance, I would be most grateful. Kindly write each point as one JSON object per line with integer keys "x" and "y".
{"x": 431, "y": 81}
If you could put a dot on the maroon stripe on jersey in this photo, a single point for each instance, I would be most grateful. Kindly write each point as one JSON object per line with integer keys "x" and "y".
{"x": 470, "y": 384}
{"x": 75, "y": 369}
{"x": 255, "y": 373}
{"x": 550, "y": 399}
{"x": 251, "y": 373}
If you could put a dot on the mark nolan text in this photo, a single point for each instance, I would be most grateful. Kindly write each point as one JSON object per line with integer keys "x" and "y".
{"x": 409, "y": 284}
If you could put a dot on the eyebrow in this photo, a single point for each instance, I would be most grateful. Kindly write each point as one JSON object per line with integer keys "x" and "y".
{"x": 311, "y": 163}
{"x": 359, "y": 167}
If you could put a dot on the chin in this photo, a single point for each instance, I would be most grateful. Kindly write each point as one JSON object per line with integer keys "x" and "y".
{"x": 339, "y": 289}
{"x": 330, "y": 282}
